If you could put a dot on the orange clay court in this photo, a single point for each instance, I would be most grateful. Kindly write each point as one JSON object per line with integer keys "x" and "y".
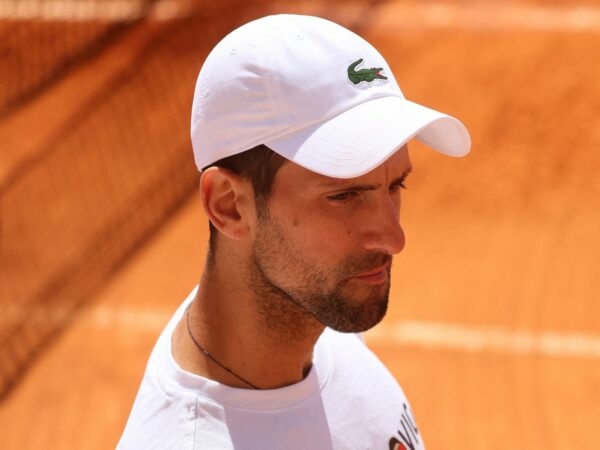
{"x": 494, "y": 322}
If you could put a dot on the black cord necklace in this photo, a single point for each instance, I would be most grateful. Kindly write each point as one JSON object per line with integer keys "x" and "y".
{"x": 206, "y": 353}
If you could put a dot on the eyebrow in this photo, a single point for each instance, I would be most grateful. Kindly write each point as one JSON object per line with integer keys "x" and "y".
{"x": 341, "y": 183}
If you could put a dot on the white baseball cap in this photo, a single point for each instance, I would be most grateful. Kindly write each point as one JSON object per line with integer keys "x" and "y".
{"x": 314, "y": 92}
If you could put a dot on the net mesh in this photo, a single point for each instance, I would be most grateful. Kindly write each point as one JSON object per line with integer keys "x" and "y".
{"x": 40, "y": 41}
{"x": 75, "y": 206}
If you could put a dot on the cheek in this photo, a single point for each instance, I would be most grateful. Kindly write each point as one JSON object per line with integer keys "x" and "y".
{"x": 323, "y": 234}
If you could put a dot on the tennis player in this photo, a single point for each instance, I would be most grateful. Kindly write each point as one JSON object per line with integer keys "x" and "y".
{"x": 301, "y": 135}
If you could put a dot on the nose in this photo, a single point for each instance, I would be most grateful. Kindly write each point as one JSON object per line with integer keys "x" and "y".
{"x": 383, "y": 231}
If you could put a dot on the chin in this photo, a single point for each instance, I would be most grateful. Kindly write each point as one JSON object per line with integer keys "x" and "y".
{"x": 357, "y": 319}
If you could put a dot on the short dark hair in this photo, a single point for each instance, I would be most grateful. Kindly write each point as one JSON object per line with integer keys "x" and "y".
{"x": 259, "y": 165}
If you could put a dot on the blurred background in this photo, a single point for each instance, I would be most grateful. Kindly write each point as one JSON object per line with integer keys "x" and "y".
{"x": 494, "y": 324}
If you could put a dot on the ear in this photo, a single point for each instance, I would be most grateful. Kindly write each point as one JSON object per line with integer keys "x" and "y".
{"x": 228, "y": 201}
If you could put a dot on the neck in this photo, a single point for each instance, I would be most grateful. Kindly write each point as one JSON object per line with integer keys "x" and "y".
{"x": 260, "y": 336}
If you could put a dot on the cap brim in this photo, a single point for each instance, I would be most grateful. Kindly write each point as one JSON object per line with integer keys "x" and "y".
{"x": 363, "y": 137}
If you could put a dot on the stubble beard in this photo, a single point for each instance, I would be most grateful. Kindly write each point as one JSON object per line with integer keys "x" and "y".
{"x": 293, "y": 293}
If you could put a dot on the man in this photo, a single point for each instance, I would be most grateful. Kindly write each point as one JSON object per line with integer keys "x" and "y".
{"x": 299, "y": 129}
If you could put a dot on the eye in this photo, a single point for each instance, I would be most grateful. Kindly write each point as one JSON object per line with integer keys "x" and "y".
{"x": 343, "y": 196}
{"x": 398, "y": 185}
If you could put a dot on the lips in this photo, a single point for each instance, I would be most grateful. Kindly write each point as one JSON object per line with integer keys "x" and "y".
{"x": 378, "y": 275}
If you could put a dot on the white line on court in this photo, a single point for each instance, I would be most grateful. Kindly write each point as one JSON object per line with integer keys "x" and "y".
{"x": 150, "y": 320}
{"x": 424, "y": 334}
{"x": 90, "y": 10}
{"x": 492, "y": 16}
{"x": 398, "y": 15}
{"x": 492, "y": 339}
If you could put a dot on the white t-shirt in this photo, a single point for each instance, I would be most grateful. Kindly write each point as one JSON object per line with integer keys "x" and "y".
{"x": 349, "y": 400}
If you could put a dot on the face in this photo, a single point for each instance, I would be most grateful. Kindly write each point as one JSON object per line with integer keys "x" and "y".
{"x": 325, "y": 246}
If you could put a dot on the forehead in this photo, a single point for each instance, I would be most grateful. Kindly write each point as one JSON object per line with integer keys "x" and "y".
{"x": 395, "y": 166}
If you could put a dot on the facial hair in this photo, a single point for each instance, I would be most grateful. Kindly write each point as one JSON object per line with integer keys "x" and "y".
{"x": 291, "y": 288}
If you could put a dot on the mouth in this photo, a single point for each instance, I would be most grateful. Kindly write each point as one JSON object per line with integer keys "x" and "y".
{"x": 379, "y": 275}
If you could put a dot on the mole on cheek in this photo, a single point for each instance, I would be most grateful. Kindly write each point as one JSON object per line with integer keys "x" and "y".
{"x": 295, "y": 221}
{"x": 349, "y": 231}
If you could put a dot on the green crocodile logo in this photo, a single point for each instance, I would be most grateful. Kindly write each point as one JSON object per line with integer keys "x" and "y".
{"x": 368, "y": 75}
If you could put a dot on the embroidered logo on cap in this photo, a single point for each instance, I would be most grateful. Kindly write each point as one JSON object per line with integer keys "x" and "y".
{"x": 367, "y": 75}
